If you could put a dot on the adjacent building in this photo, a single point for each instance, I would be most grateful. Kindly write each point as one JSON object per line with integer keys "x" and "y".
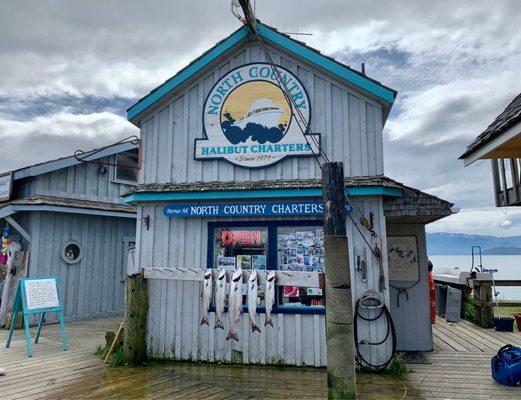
{"x": 71, "y": 217}
{"x": 501, "y": 143}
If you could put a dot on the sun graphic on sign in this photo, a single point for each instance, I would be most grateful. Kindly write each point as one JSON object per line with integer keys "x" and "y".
{"x": 257, "y": 102}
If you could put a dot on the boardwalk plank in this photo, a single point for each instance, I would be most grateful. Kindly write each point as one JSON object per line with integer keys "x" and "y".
{"x": 459, "y": 369}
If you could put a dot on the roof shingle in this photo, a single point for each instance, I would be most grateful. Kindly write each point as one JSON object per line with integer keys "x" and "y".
{"x": 510, "y": 116}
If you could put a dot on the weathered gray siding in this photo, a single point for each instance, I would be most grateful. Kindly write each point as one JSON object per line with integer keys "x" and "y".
{"x": 412, "y": 319}
{"x": 92, "y": 287}
{"x": 82, "y": 181}
{"x": 350, "y": 124}
{"x": 174, "y": 307}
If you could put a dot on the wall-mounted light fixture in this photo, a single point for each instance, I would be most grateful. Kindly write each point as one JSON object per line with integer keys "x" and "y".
{"x": 146, "y": 221}
{"x": 102, "y": 169}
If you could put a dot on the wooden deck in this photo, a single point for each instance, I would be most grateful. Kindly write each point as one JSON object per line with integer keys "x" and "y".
{"x": 459, "y": 368}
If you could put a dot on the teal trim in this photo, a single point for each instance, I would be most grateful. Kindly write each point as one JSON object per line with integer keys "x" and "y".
{"x": 337, "y": 69}
{"x": 332, "y": 66}
{"x": 374, "y": 191}
{"x": 187, "y": 73}
{"x": 258, "y": 194}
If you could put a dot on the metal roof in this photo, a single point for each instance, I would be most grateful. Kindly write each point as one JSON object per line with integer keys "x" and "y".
{"x": 65, "y": 162}
{"x": 59, "y": 204}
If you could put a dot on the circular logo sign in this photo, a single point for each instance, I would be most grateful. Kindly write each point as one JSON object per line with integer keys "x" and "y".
{"x": 248, "y": 120}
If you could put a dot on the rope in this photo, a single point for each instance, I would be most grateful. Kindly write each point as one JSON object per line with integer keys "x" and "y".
{"x": 251, "y": 22}
{"x": 403, "y": 290}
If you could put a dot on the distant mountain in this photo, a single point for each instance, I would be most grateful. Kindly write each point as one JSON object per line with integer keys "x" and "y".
{"x": 460, "y": 244}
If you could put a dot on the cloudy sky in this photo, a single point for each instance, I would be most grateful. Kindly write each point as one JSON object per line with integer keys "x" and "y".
{"x": 69, "y": 69}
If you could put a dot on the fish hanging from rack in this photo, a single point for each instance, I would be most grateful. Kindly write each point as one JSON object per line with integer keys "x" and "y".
{"x": 269, "y": 296}
{"x": 220, "y": 295}
{"x": 235, "y": 304}
{"x": 207, "y": 295}
{"x": 252, "y": 300}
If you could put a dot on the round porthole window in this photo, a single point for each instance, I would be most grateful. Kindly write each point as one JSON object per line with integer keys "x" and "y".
{"x": 71, "y": 252}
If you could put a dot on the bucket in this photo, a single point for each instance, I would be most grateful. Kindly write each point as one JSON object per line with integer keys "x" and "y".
{"x": 517, "y": 316}
{"x": 504, "y": 324}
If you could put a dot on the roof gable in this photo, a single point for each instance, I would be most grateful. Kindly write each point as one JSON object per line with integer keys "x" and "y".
{"x": 65, "y": 162}
{"x": 341, "y": 71}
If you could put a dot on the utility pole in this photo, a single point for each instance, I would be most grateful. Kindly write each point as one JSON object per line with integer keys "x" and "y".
{"x": 341, "y": 378}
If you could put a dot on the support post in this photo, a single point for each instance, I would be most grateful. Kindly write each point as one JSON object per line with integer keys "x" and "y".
{"x": 483, "y": 309}
{"x": 341, "y": 378}
{"x": 136, "y": 308}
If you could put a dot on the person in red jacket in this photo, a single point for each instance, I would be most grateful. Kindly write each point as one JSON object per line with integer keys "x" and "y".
{"x": 432, "y": 292}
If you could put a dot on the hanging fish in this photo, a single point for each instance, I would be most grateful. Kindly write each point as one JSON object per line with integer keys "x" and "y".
{"x": 252, "y": 300}
{"x": 207, "y": 295}
{"x": 235, "y": 304}
{"x": 269, "y": 297}
{"x": 220, "y": 294}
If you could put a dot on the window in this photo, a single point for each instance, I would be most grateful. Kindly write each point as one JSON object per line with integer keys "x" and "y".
{"x": 71, "y": 252}
{"x": 284, "y": 245}
{"x": 126, "y": 170}
{"x": 300, "y": 248}
{"x": 245, "y": 247}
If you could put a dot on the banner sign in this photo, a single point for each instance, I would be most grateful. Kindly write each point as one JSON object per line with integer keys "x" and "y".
{"x": 258, "y": 209}
{"x": 37, "y": 296}
{"x": 248, "y": 121}
{"x": 6, "y": 183}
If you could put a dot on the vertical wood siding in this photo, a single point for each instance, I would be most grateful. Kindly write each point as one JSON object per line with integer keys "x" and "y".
{"x": 174, "y": 307}
{"x": 81, "y": 182}
{"x": 350, "y": 125}
{"x": 412, "y": 319}
{"x": 93, "y": 286}
{"x": 351, "y": 129}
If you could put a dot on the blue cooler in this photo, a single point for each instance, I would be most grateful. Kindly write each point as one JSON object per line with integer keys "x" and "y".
{"x": 506, "y": 365}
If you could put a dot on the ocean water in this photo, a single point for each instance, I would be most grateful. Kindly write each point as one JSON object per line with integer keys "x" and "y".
{"x": 509, "y": 267}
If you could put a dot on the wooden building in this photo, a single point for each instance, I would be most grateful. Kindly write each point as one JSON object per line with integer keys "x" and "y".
{"x": 223, "y": 157}
{"x": 501, "y": 143}
{"x": 71, "y": 217}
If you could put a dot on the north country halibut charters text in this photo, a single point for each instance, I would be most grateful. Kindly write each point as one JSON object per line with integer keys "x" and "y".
{"x": 256, "y": 148}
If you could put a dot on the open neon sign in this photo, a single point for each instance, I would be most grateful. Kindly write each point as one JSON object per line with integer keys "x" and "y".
{"x": 240, "y": 237}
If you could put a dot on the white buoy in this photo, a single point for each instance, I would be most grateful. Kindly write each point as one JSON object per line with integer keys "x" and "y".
{"x": 3, "y": 371}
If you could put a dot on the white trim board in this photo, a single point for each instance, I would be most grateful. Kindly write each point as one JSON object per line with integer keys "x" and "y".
{"x": 493, "y": 144}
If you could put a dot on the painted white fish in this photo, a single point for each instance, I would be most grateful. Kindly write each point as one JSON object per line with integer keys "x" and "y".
{"x": 269, "y": 297}
{"x": 207, "y": 295}
{"x": 220, "y": 294}
{"x": 235, "y": 304}
{"x": 252, "y": 300}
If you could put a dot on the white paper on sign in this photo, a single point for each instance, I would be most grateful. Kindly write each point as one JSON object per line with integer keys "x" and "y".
{"x": 41, "y": 293}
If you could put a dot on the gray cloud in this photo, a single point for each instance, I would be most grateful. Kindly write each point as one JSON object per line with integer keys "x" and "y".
{"x": 68, "y": 70}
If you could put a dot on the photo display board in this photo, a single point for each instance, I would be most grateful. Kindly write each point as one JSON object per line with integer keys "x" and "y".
{"x": 404, "y": 262}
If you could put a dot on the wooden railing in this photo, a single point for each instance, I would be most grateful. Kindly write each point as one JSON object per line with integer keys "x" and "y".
{"x": 482, "y": 300}
{"x": 484, "y": 303}
{"x": 507, "y": 181}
